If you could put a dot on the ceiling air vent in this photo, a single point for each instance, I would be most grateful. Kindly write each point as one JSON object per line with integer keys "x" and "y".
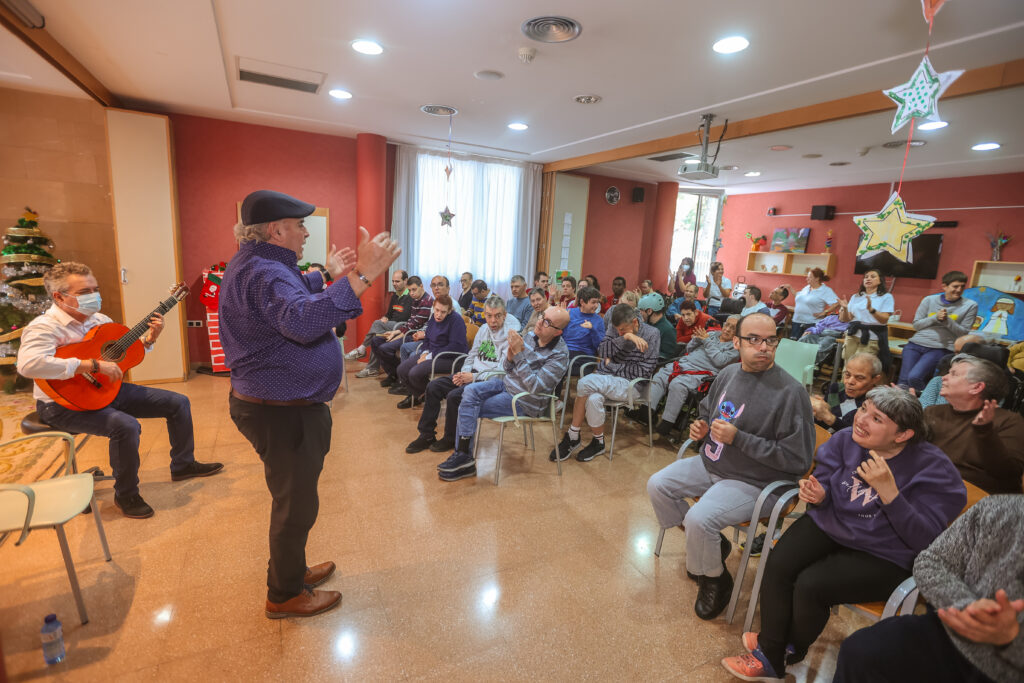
{"x": 279, "y": 75}
{"x": 552, "y": 29}
{"x": 675, "y": 156}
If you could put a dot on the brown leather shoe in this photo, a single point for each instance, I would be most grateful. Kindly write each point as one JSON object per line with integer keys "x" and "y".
{"x": 306, "y": 604}
{"x": 318, "y": 573}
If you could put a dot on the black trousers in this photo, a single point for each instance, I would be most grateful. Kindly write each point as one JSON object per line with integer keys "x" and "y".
{"x": 910, "y": 648}
{"x": 807, "y": 573}
{"x": 292, "y": 442}
{"x": 441, "y": 389}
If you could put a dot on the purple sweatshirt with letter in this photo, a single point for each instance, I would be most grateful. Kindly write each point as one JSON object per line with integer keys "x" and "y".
{"x": 931, "y": 496}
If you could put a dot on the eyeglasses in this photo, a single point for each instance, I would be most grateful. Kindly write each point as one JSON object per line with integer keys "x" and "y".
{"x": 548, "y": 323}
{"x": 754, "y": 340}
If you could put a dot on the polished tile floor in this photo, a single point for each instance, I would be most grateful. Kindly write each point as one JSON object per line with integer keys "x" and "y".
{"x": 543, "y": 578}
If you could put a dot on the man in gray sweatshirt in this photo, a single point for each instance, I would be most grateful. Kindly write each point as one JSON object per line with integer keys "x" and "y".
{"x": 758, "y": 428}
{"x": 973, "y": 573}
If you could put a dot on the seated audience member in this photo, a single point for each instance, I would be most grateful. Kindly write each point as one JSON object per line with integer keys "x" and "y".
{"x": 650, "y": 307}
{"x": 690, "y": 294}
{"x": 761, "y": 431}
{"x": 439, "y": 285}
{"x": 646, "y": 287}
{"x": 706, "y": 354}
{"x": 466, "y": 295}
{"x": 631, "y": 353}
{"x": 399, "y": 309}
{"x": 752, "y": 302}
{"x": 983, "y": 440}
{"x": 540, "y": 279}
{"x": 518, "y": 304}
{"x": 972, "y": 574}
{"x": 539, "y": 301}
{"x": 776, "y": 309}
{"x": 826, "y": 333}
{"x": 631, "y": 299}
{"x": 868, "y": 312}
{"x": 475, "y": 310}
{"x": 391, "y": 342}
{"x": 568, "y": 292}
{"x": 445, "y": 331}
{"x": 879, "y": 495}
{"x": 586, "y": 328}
{"x": 534, "y": 363}
{"x": 618, "y": 288}
{"x": 863, "y": 372}
{"x": 939, "y": 320}
{"x": 489, "y": 347}
{"x": 689, "y": 320}
{"x": 812, "y": 303}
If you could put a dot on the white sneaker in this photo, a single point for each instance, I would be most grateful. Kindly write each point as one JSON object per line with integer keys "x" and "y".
{"x": 367, "y": 372}
{"x": 355, "y": 354}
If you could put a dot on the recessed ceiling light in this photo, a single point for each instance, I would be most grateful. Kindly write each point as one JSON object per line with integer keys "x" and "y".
{"x": 839, "y": 163}
{"x": 752, "y": 174}
{"x": 731, "y": 167}
{"x": 367, "y": 47}
{"x": 340, "y": 94}
{"x": 933, "y": 125}
{"x": 812, "y": 155}
{"x": 588, "y": 99}
{"x": 439, "y": 110}
{"x": 727, "y": 46}
{"x": 691, "y": 161}
{"x": 780, "y": 148}
{"x": 518, "y": 126}
{"x": 986, "y": 146}
{"x": 900, "y": 144}
{"x": 488, "y": 75}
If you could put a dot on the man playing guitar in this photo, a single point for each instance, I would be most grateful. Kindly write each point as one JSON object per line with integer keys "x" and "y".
{"x": 75, "y": 311}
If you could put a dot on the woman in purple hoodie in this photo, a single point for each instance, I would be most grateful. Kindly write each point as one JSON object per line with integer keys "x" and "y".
{"x": 444, "y": 332}
{"x": 879, "y": 495}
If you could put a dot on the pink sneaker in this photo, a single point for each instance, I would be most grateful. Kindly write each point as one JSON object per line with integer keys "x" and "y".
{"x": 750, "y": 667}
{"x": 750, "y": 641}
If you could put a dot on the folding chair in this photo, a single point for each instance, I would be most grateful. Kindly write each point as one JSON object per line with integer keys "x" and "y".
{"x": 798, "y": 360}
{"x": 568, "y": 382}
{"x": 519, "y": 421}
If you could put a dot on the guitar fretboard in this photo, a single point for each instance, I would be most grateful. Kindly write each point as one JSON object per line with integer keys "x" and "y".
{"x": 120, "y": 347}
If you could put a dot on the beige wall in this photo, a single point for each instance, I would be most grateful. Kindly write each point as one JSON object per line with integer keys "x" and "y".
{"x": 53, "y": 157}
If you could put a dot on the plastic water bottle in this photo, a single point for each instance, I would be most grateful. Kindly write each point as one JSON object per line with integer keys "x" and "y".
{"x": 52, "y": 636}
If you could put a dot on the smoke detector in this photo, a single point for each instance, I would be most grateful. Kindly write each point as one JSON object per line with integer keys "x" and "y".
{"x": 526, "y": 54}
{"x": 439, "y": 110}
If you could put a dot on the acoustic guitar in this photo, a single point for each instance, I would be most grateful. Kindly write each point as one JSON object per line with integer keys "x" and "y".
{"x": 110, "y": 342}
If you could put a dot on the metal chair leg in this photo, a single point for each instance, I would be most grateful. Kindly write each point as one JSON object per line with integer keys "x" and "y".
{"x": 72, "y": 575}
{"x": 650, "y": 427}
{"x": 533, "y": 437}
{"x": 657, "y": 547}
{"x": 526, "y": 438}
{"x": 497, "y": 462}
{"x": 476, "y": 438}
{"x": 99, "y": 529}
{"x": 615, "y": 425}
{"x": 741, "y": 574}
{"x": 554, "y": 441}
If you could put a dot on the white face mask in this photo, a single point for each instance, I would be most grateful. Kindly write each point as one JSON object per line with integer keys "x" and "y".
{"x": 89, "y": 303}
{"x": 686, "y": 268}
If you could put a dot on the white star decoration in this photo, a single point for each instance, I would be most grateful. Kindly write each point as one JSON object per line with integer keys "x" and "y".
{"x": 891, "y": 230}
{"x": 919, "y": 97}
{"x": 446, "y": 217}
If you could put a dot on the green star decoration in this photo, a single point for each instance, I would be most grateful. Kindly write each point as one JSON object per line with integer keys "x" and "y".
{"x": 891, "y": 230}
{"x": 446, "y": 217}
{"x": 919, "y": 97}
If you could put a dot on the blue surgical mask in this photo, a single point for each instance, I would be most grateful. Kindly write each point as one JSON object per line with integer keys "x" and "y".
{"x": 686, "y": 267}
{"x": 89, "y": 303}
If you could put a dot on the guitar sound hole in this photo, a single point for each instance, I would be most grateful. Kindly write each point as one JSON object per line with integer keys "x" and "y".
{"x": 108, "y": 354}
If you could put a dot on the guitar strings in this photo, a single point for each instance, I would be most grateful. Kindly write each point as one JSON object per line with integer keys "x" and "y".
{"x": 121, "y": 346}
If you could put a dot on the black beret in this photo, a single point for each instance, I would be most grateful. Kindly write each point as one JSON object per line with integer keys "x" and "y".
{"x": 265, "y": 206}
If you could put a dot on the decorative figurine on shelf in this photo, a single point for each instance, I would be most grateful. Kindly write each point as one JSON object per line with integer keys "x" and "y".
{"x": 756, "y": 242}
{"x": 828, "y": 242}
{"x": 775, "y": 269}
{"x": 764, "y": 268}
{"x": 996, "y": 242}
{"x": 1016, "y": 283}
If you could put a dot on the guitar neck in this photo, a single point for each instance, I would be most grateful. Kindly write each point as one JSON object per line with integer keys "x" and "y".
{"x": 135, "y": 333}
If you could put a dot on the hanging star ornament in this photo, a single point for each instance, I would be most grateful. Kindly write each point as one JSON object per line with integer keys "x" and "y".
{"x": 446, "y": 217}
{"x": 891, "y": 230}
{"x": 919, "y": 97}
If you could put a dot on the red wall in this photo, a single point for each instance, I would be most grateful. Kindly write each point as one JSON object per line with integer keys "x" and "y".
{"x": 618, "y": 237}
{"x": 961, "y": 246}
{"x": 219, "y": 162}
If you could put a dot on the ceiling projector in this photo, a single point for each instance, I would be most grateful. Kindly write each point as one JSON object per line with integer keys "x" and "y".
{"x": 703, "y": 169}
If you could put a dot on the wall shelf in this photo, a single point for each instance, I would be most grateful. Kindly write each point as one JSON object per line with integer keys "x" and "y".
{"x": 789, "y": 264}
{"x": 998, "y": 275}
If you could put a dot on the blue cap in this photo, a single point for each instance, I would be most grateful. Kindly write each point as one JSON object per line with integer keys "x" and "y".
{"x": 653, "y": 301}
{"x": 265, "y": 206}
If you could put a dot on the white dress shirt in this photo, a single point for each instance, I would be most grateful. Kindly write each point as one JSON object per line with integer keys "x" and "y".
{"x": 41, "y": 339}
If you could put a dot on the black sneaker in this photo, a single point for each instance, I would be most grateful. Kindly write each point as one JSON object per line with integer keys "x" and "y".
{"x": 593, "y": 449}
{"x": 664, "y": 428}
{"x": 455, "y": 476}
{"x": 756, "y": 546}
{"x": 565, "y": 448}
{"x": 397, "y": 389}
{"x": 405, "y": 403}
{"x": 386, "y": 382}
{"x": 638, "y": 415}
{"x": 442, "y": 445}
{"x": 422, "y": 442}
{"x": 197, "y": 469}
{"x": 133, "y": 506}
{"x": 456, "y": 463}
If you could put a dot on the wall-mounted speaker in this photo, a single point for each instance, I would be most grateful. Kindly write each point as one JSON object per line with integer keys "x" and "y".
{"x": 824, "y": 212}
{"x": 638, "y": 195}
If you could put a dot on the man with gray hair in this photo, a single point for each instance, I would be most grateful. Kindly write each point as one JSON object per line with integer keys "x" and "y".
{"x": 863, "y": 372}
{"x": 983, "y": 440}
{"x": 519, "y": 303}
{"x": 631, "y": 353}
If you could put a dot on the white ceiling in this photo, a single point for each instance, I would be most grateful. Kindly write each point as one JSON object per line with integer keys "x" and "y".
{"x": 651, "y": 62}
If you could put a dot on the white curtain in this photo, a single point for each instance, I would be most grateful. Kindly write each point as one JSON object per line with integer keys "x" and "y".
{"x": 497, "y": 214}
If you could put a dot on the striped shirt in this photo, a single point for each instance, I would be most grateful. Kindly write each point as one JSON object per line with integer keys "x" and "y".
{"x": 627, "y": 361}
{"x": 536, "y": 369}
{"x": 419, "y": 315}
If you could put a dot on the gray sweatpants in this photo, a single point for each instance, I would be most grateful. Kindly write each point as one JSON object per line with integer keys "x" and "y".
{"x": 376, "y": 328}
{"x": 594, "y": 389}
{"x": 723, "y": 502}
{"x": 678, "y": 390}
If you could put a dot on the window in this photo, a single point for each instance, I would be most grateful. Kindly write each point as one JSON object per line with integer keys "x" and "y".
{"x": 698, "y": 219}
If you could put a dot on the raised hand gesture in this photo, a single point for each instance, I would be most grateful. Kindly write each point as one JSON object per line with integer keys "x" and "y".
{"x": 811, "y": 490}
{"x": 876, "y": 473}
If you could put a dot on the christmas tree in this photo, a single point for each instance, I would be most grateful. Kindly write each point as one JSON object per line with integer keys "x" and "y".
{"x": 25, "y": 260}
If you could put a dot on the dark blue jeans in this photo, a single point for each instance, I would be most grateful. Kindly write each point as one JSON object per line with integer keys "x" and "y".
{"x": 117, "y": 422}
{"x": 387, "y": 354}
{"x": 797, "y": 329}
{"x": 917, "y": 365}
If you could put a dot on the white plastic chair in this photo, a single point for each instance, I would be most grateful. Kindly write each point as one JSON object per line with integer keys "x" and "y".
{"x": 52, "y": 503}
{"x": 797, "y": 358}
{"x": 521, "y": 422}
{"x": 586, "y": 360}
{"x": 630, "y": 402}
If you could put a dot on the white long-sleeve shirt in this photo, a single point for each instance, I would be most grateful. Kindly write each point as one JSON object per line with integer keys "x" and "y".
{"x": 41, "y": 339}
